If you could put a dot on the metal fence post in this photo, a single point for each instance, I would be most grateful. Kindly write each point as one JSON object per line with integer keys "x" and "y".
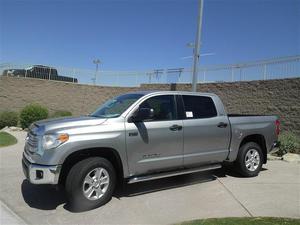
{"x": 9, "y": 67}
{"x": 265, "y": 71}
{"x": 149, "y": 75}
{"x": 117, "y": 79}
{"x": 98, "y": 78}
{"x": 49, "y": 73}
{"x": 136, "y": 82}
{"x": 73, "y": 75}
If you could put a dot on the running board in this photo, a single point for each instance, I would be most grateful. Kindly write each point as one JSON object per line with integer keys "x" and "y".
{"x": 173, "y": 173}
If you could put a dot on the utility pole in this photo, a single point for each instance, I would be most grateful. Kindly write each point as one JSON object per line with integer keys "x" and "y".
{"x": 197, "y": 47}
{"x": 97, "y": 62}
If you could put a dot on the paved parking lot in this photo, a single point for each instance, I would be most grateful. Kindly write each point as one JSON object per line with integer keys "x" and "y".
{"x": 275, "y": 192}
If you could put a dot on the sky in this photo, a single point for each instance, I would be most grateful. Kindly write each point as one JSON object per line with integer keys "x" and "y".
{"x": 140, "y": 34}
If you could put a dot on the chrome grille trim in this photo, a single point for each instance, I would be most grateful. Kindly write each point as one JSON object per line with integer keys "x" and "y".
{"x": 32, "y": 140}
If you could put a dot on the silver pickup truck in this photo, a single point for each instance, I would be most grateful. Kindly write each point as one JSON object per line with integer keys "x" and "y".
{"x": 143, "y": 136}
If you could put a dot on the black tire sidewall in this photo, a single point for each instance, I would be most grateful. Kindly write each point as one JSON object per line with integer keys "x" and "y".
{"x": 241, "y": 166}
{"x": 76, "y": 199}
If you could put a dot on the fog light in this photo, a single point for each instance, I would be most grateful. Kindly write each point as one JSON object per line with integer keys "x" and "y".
{"x": 39, "y": 174}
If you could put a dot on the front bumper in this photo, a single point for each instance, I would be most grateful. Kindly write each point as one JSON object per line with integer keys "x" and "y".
{"x": 40, "y": 174}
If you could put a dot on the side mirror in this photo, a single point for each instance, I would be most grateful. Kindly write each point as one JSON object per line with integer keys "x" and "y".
{"x": 142, "y": 114}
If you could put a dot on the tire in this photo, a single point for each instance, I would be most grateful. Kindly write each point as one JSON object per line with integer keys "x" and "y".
{"x": 87, "y": 186}
{"x": 249, "y": 160}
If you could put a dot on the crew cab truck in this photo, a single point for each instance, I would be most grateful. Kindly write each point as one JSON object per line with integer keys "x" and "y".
{"x": 143, "y": 136}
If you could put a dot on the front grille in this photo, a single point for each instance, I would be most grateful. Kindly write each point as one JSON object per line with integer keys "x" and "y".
{"x": 31, "y": 142}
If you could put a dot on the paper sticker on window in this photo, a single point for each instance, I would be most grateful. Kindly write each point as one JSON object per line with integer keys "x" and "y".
{"x": 189, "y": 114}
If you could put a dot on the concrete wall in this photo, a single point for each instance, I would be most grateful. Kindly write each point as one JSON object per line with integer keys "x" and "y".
{"x": 15, "y": 93}
{"x": 278, "y": 97}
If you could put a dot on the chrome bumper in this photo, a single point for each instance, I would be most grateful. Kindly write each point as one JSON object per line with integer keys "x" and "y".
{"x": 40, "y": 174}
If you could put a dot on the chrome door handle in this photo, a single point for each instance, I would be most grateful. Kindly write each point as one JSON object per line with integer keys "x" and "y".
{"x": 175, "y": 127}
{"x": 222, "y": 125}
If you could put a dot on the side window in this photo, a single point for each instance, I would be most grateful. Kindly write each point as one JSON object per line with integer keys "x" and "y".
{"x": 163, "y": 106}
{"x": 196, "y": 107}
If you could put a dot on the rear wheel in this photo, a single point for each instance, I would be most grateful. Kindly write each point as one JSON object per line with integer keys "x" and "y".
{"x": 90, "y": 184}
{"x": 250, "y": 159}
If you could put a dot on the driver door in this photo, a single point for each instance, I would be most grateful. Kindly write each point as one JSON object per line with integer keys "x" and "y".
{"x": 155, "y": 144}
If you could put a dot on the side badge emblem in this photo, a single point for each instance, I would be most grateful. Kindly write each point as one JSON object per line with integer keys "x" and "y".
{"x": 132, "y": 134}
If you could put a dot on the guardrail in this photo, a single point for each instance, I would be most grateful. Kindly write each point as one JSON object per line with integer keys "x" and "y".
{"x": 283, "y": 67}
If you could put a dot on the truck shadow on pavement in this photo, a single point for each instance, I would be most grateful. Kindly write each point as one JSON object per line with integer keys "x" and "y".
{"x": 49, "y": 197}
{"x": 45, "y": 197}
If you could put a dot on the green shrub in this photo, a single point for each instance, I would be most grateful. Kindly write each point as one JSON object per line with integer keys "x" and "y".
{"x": 61, "y": 113}
{"x": 8, "y": 118}
{"x": 289, "y": 142}
{"x": 32, "y": 113}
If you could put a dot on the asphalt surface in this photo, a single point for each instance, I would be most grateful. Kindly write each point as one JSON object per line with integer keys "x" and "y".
{"x": 275, "y": 192}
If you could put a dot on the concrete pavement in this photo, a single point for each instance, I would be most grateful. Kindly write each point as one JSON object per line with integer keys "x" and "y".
{"x": 275, "y": 192}
{"x": 8, "y": 217}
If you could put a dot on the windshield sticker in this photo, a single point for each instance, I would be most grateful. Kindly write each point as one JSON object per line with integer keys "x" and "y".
{"x": 189, "y": 114}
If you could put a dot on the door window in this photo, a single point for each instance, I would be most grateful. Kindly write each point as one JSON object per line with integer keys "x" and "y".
{"x": 196, "y": 107}
{"x": 163, "y": 106}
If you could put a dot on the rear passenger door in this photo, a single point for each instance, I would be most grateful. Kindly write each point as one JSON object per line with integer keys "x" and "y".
{"x": 206, "y": 133}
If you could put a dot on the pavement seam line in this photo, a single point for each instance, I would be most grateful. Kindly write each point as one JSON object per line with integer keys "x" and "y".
{"x": 13, "y": 213}
{"x": 236, "y": 199}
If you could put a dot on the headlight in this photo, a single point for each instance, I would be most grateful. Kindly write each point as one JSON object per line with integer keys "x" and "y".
{"x": 54, "y": 140}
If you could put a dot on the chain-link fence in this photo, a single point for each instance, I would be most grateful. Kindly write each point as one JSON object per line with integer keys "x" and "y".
{"x": 284, "y": 67}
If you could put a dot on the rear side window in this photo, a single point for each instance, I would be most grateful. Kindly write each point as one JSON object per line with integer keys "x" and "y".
{"x": 196, "y": 107}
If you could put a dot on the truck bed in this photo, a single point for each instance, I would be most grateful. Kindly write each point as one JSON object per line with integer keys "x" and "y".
{"x": 243, "y": 125}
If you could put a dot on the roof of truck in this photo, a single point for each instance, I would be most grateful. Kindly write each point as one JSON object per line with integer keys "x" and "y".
{"x": 173, "y": 92}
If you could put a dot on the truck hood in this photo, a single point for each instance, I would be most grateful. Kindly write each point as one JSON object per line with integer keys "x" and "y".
{"x": 67, "y": 122}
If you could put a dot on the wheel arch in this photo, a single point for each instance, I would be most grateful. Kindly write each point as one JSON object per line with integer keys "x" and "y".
{"x": 108, "y": 153}
{"x": 258, "y": 139}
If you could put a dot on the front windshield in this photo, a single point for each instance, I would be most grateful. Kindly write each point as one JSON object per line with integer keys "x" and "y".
{"x": 116, "y": 106}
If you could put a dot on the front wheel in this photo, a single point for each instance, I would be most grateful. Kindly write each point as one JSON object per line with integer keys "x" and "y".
{"x": 250, "y": 159}
{"x": 90, "y": 184}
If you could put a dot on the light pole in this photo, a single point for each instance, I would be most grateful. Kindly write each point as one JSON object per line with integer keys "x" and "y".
{"x": 197, "y": 47}
{"x": 97, "y": 62}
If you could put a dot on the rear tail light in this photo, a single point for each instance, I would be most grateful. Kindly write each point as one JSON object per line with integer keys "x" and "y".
{"x": 277, "y": 127}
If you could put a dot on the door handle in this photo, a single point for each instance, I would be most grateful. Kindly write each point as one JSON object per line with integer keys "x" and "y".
{"x": 175, "y": 127}
{"x": 222, "y": 125}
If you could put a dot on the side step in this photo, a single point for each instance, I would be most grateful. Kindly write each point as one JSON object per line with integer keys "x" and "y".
{"x": 172, "y": 173}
